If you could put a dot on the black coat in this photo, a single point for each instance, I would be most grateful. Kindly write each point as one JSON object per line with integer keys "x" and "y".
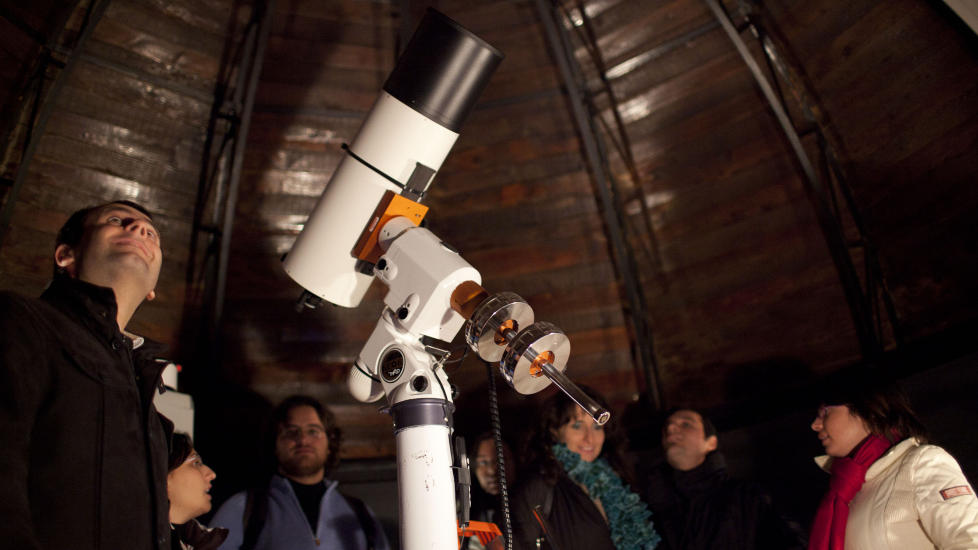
{"x": 576, "y": 521}
{"x": 83, "y": 453}
{"x": 705, "y": 509}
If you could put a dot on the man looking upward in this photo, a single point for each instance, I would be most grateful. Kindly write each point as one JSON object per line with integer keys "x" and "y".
{"x": 695, "y": 505}
{"x": 83, "y": 453}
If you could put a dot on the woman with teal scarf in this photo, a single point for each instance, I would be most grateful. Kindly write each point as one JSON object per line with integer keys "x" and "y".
{"x": 577, "y": 480}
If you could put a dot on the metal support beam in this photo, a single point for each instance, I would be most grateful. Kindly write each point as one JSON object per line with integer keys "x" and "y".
{"x": 859, "y": 306}
{"x": 621, "y": 252}
{"x": 43, "y": 108}
{"x": 830, "y": 151}
{"x": 221, "y": 174}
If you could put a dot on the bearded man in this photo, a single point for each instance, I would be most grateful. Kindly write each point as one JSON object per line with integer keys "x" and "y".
{"x": 300, "y": 508}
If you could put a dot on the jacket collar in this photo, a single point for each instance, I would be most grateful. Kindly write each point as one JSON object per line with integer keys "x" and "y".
{"x": 893, "y": 454}
{"x": 95, "y": 308}
{"x": 91, "y": 305}
{"x": 283, "y": 484}
{"x": 704, "y": 476}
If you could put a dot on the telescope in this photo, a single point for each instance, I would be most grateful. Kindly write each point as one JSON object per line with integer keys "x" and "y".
{"x": 366, "y": 226}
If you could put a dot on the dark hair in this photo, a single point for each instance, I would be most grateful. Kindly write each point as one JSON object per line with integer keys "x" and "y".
{"x": 280, "y": 416}
{"x": 557, "y": 411}
{"x": 709, "y": 428}
{"x": 473, "y": 444}
{"x": 180, "y": 448}
{"x": 73, "y": 229}
{"x": 882, "y": 406}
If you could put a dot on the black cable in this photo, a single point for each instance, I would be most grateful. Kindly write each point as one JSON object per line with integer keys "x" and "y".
{"x": 365, "y": 373}
{"x": 497, "y": 435}
{"x": 378, "y": 171}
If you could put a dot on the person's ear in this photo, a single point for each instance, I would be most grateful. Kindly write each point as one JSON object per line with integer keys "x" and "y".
{"x": 151, "y": 296}
{"x": 711, "y": 443}
{"x": 64, "y": 257}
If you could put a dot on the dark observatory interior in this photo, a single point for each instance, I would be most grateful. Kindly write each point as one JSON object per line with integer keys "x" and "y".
{"x": 723, "y": 204}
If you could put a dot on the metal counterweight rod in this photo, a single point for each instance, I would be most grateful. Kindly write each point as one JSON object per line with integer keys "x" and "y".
{"x": 566, "y": 385}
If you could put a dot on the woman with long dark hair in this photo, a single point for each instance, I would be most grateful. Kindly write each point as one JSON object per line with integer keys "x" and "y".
{"x": 577, "y": 482}
{"x": 889, "y": 488}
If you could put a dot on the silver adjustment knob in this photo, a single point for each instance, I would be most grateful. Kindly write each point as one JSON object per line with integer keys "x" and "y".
{"x": 495, "y": 322}
{"x": 522, "y": 363}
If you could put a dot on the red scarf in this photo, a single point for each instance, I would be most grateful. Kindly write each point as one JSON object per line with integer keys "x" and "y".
{"x": 848, "y": 476}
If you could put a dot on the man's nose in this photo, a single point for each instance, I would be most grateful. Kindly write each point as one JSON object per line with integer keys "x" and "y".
{"x": 136, "y": 225}
{"x": 817, "y": 424}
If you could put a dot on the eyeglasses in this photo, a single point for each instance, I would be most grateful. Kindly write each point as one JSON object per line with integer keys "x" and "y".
{"x": 295, "y": 432}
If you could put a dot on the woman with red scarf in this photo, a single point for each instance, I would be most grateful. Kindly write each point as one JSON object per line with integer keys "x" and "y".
{"x": 889, "y": 488}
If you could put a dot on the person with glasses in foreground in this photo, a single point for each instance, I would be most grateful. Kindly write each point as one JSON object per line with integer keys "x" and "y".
{"x": 188, "y": 486}
{"x": 299, "y": 508}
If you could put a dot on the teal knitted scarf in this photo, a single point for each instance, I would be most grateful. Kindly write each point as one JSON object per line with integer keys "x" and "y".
{"x": 630, "y": 520}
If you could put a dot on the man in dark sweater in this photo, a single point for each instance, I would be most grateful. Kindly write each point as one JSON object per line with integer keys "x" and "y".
{"x": 83, "y": 453}
{"x": 695, "y": 505}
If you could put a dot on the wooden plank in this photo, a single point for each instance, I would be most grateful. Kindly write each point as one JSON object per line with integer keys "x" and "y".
{"x": 211, "y": 16}
{"x": 369, "y": 13}
{"x": 375, "y": 32}
{"x": 707, "y": 48}
{"x": 334, "y": 95}
{"x": 170, "y": 29}
{"x": 113, "y": 97}
{"x": 346, "y": 56}
{"x": 184, "y": 68}
{"x": 73, "y": 153}
{"x": 623, "y": 30}
{"x": 327, "y": 133}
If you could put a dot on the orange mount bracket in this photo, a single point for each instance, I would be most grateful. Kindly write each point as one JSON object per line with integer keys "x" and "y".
{"x": 390, "y": 206}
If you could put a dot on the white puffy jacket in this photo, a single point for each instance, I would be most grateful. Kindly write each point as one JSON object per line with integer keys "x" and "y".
{"x": 915, "y": 497}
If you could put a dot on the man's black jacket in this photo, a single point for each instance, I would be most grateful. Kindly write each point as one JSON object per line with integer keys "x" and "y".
{"x": 705, "y": 509}
{"x": 83, "y": 453}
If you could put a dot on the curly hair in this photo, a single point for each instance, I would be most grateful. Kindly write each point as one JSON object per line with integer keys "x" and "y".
{"x": 280, "y": 416}
{"x": 555, "y": 412}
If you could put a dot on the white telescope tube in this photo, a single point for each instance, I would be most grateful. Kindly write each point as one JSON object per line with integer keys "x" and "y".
{"x": 394, "y": 139}
{"x": 426, "y": 488}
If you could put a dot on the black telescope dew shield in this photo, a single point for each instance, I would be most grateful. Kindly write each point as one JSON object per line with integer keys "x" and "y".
{"x": 442, "y": 70}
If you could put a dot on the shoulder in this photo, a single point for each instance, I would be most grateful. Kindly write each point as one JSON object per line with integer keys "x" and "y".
{"x": 931, "y": 459}
{"x": 230, "y": 512}
{"x": 532, "y": 490}
{"x": 17, "y": 308}
{"x": 531, "y": 484}
{"x": 918, "y": 456}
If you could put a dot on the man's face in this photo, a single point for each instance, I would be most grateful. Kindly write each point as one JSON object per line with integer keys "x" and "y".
{"x": 119, "y": 243}
{"x": 684, "y": 440}
{"x": 301, "y": 447}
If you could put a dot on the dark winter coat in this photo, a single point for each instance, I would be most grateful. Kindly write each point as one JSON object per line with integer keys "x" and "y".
{"x": 705, "y": 509}
{"x": 83, "y": 452}
{"x": 576, "y": 521}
